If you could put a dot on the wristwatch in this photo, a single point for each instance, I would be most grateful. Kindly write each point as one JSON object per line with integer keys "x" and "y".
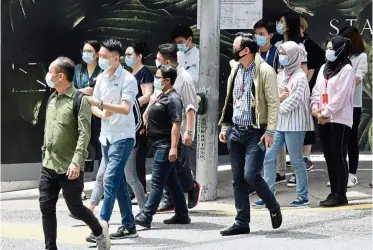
{"x": 190, "y": 132}
{"x": 101, "y": 105}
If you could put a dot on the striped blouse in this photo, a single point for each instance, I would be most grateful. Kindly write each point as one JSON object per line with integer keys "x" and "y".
{"x": 295, "y": 112}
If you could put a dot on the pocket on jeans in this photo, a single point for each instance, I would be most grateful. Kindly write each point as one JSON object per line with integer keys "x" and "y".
{"x": 161, "y": 153}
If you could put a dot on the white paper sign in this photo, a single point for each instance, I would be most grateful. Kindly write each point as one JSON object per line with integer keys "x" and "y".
{"x": 237, "y": 14}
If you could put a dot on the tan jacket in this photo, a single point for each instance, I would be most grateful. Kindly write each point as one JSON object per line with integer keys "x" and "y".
{"x": 266, "y": 100}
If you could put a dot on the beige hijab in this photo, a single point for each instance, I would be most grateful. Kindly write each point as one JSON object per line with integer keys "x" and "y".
{"x": 296, "y": 55}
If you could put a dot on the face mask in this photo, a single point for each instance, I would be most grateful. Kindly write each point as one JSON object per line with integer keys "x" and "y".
{"x": 104, "y": 63}
{"x": 48, "y": 80}
{"x": 261, "y": 40}
{"x": 283, "y": 60}
{"x": 88, "y": 57}
{"x": 331, "y": 55}
{"x": 158, "y": 84}
{"x": 157, "y": 63}
{"x": 130, "y": 61}
{"x": 182, "y": 47}
{"x": 280, "y": 28}
{"x": 236, "y": 54}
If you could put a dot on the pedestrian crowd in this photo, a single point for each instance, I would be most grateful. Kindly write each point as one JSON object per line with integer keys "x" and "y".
{"x": 277, "y": 94}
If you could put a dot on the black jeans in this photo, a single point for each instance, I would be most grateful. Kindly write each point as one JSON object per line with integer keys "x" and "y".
{"x": 184, "y": 172}
{"x": 353, "y": 142}
{"x": 49, "y": 188}
{"x": 247, "y": 162}
{"x": 334, "y": 138}
{"x": 164, "y": 174}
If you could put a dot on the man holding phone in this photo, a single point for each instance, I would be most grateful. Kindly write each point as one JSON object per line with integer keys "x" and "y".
{"x": 248, "y": 122}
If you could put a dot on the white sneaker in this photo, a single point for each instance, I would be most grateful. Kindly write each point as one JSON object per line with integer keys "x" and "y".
{"x": 328, "y": 184}
{"x": 103, "y": 241}
{"x": 352, "y": 181}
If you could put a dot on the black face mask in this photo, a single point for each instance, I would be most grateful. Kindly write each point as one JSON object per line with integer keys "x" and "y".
{"x": 236, "y": 54}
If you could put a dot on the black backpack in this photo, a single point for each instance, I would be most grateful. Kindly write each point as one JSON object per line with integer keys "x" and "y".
{"x": 76, "y": 108}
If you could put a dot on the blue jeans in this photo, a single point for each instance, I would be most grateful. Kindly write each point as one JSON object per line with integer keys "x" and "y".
{"x": 294, "y": 143}
{"x": 247, "y": 161}
{"x": 164, "y": 174}
{"x": 115, "y": 186}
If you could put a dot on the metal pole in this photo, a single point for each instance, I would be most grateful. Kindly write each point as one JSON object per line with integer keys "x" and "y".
{"x": 207, "y": 144}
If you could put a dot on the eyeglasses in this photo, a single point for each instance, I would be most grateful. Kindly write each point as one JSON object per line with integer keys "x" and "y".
{"x": 87, "y": 51}
{"x": 159, "y": 77}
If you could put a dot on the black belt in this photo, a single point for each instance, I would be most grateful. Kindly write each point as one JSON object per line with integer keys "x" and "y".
{"x": 244, "y": 128}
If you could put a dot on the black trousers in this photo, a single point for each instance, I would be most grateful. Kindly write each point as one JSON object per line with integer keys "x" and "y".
{"x": 334, "y": 139}
{"x": 49, "y": 188}
{"x": 353, "y": 142}
{"x": 141, "y": 154}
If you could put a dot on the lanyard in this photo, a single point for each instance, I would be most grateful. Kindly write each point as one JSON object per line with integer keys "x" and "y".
{"x": 327, "y": 80}
{"x": 267, "y": 54}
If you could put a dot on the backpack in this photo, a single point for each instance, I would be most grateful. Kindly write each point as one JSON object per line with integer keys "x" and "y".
{"x": 76, "y": 108}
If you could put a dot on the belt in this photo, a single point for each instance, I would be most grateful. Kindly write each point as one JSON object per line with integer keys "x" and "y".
{"x": 244, "y": 128}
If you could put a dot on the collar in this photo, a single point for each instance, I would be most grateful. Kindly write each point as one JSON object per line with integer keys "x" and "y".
{"x": 117, "y": 72}
{"x": 251, "y": 66}
{"x": 69, "y": 91}
{"x": 190, "y": 51}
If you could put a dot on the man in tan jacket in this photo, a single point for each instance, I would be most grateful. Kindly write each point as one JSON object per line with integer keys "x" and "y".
{"x": 248, "y": 123}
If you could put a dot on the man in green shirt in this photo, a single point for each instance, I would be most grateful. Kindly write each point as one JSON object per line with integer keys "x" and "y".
{"x": 64, "y": 152}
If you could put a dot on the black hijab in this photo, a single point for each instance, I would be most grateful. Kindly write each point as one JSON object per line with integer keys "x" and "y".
{"x": 342, "y": 47}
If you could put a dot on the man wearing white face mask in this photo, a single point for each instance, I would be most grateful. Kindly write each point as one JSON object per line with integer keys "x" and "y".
{"x": 64, "y": 152}
{"x": 113, "y": 99}
{"x": 183, "y": 38}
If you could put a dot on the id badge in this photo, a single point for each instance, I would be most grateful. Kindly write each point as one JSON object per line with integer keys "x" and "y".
{"x": 325, "y": 98}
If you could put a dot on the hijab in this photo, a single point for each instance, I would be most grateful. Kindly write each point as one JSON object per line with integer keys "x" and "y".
{"x": 342, "y": 47}
{"x": 296, "y": 54}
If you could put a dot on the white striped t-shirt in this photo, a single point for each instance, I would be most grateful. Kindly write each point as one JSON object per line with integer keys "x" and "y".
{"x": 295, "y": 112}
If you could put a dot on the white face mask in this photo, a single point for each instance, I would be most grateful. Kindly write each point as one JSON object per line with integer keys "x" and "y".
{"x": 48, "y": 80}
{"x": 104, "y": 64}
{"x": 157, "y": 63}
{"x": 158, "y": 84}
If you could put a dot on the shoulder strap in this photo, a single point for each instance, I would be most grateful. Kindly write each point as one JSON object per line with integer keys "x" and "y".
{"x": 77, "y": 102}
{"x": 51, "y": 97}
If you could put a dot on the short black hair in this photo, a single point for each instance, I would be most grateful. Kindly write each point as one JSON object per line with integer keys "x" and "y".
{"x": 293, "y": 24}
{"x": 168, "y": 51}
{"x": 248, "y": 40}
{"x": 140, "y": 48}
{"x": 112, "y": 44}
{"x": 169, "y": 72}
{"x": 183, "y": 31}
{"x": 66, "y": 65}
{"x": 269, "y": 26}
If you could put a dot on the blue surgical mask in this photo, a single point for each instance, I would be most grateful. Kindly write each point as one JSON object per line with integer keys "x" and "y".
{"x": 130, "y": 61}
{"x": 261, "y": 40}
{"x": 330, "y": 55}
{"x": 182, "y": 47}
{"x": 88, "y": 57}
{"x": 158, "y": 84}
{"x": 280, "y": 28}
{"x": 283, "y": 60}
{"x": 104, "y": 63}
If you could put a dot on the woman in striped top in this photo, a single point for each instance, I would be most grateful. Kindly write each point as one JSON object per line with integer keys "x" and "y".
{"x": 294, "y": 119}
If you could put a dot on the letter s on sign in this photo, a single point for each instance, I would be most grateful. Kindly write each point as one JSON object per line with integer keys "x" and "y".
{"x": 334, "y": 27}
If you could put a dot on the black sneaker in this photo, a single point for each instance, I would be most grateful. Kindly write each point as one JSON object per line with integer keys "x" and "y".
{"x": 124, "y": 233}
{"x": 330, "y": 196}
{"x": 288, "y": 164}
{"x": 308, "y": 163}
{"x": 251, "y": 191}
{"x": 292, "y": 182}
{"x": 193, "y": 195}
{"x": 142, "y": 220}
{"x": 91, "y": 238}
{"x": 335, "y": 201}
{"x": 276, "y": 218}
{"x": 235, "y": 230}
{"x": 370, "y": 184}
{"x": 166, "y": 207}
{"x": 280, "y": 178}
{"x": 177, "y": 219}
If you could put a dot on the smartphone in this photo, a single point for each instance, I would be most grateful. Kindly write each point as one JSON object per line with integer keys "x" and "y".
{"x": 262, "y": 145}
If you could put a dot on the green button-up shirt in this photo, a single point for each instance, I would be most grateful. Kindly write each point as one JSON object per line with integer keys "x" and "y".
{"x": 65, "y": 138}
